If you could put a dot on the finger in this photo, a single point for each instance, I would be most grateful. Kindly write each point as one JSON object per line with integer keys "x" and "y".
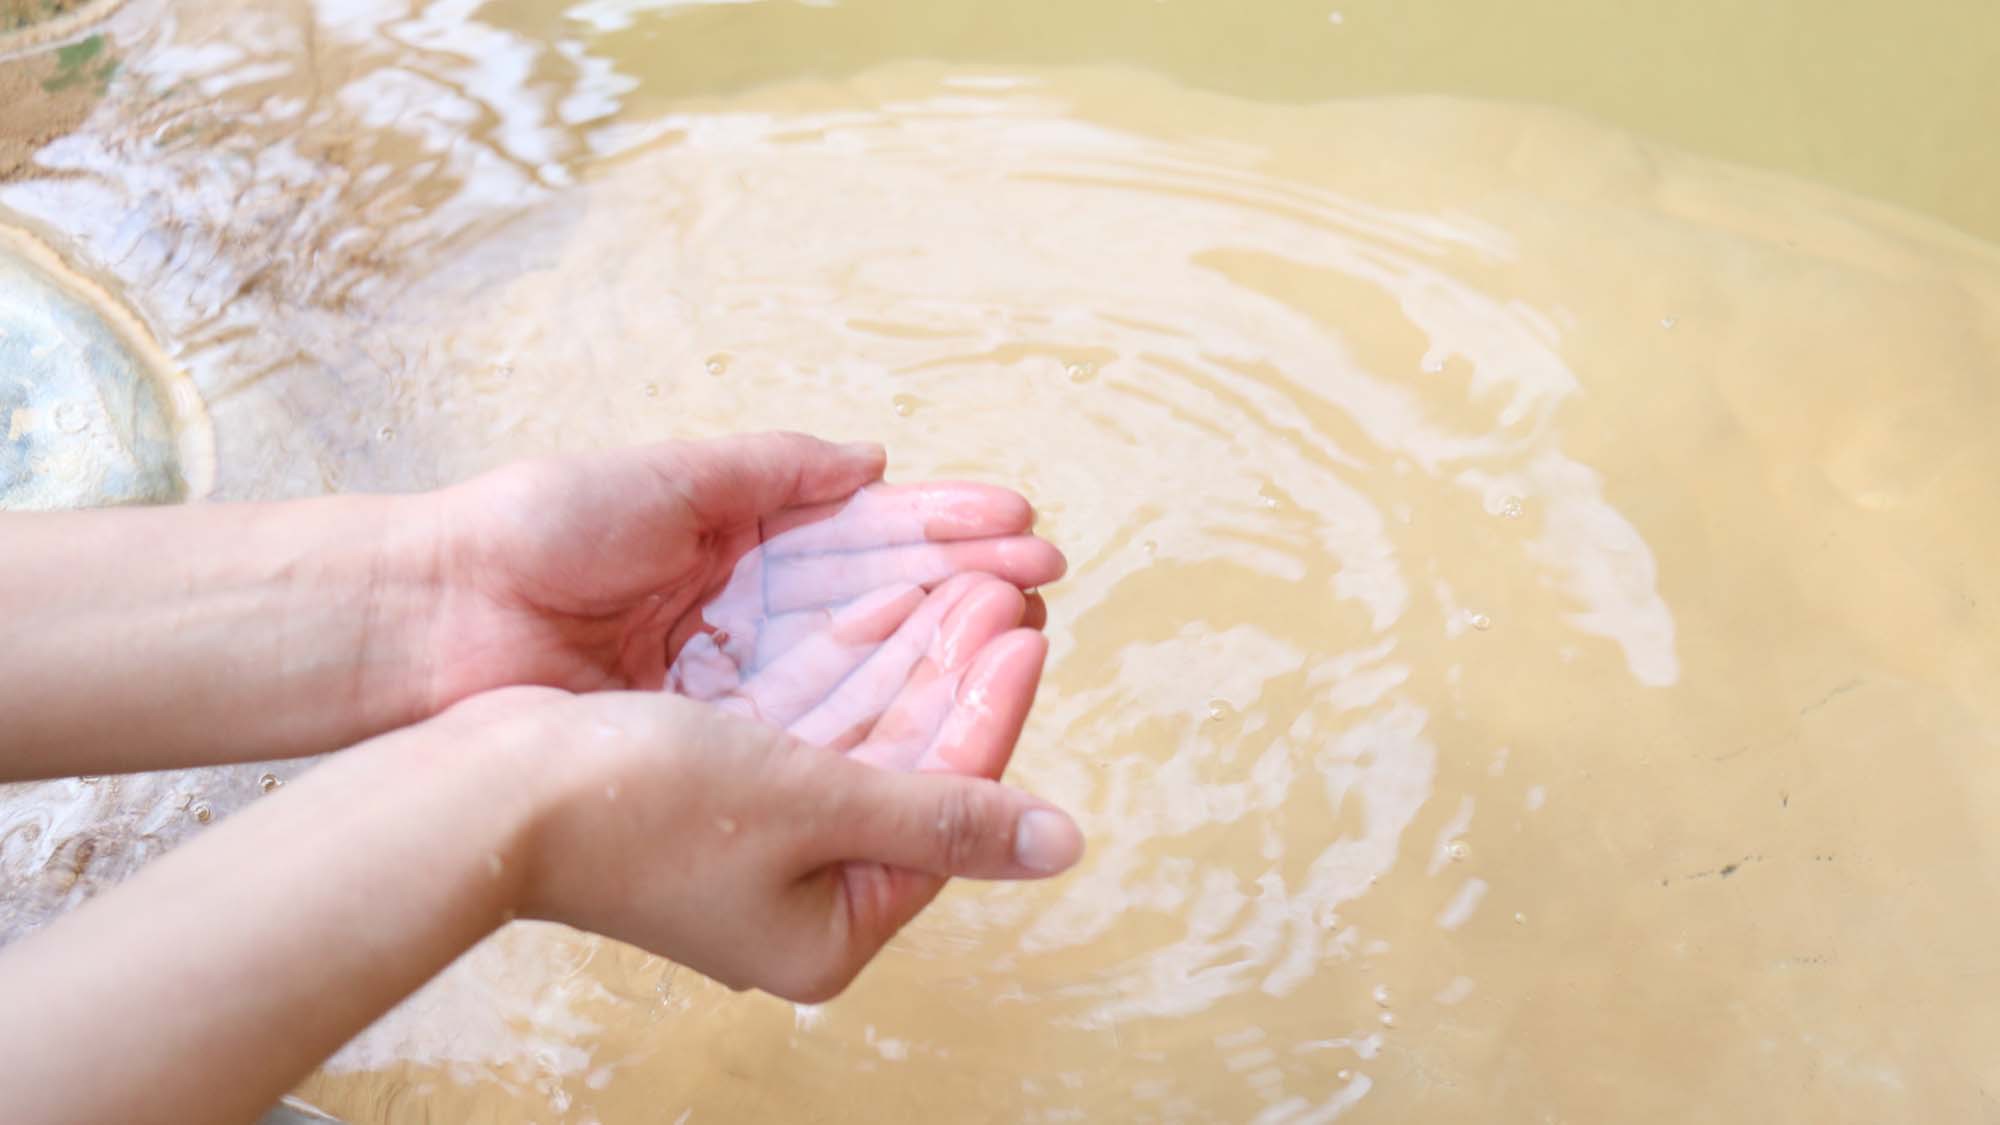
{"x": 1037, "y": 614}
{"x": 796, "y": 681}
{"x": 944, "y": 825}
{"x": 884, "y": 515}
{"x": 729, "y": 480}
{"x": 845, "y": 716}
{"x": 816, "y": 580}
{"x": 989, "y": 708}
{"x": 911, "y": 721}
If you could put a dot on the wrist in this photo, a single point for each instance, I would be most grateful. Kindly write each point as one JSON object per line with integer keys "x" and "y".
{"x": 399, "y": 563}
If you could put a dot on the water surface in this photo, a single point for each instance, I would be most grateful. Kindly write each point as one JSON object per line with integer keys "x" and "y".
{"x": 1532, "y": 603}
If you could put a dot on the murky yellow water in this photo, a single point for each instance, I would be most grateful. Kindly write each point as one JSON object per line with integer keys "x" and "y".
{"x": 1528, "y": 649}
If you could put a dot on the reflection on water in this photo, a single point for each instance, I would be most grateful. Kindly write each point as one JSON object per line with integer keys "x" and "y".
{"x": 1524, "y": 651}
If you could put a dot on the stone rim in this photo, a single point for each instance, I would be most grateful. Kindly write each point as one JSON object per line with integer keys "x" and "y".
{"x": 54, "y": 30}
{"x": 193, "y": 432}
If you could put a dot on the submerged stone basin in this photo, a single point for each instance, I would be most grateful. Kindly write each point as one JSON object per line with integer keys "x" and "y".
{"x": 91, "y": 411}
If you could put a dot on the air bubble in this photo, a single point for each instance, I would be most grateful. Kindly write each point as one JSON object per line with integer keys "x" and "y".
{"x": 202, "y": 814}
{"x": 270, "y": 783}
{"x": 1388, "y": 1019}
{"x": 1480, "y": 622}
{"x": 652, "y": 390}
{"x": 1457, "y": 849}
{"x": 1343, "y": 1075}
{"x": 717, "y": 364}
{"x": 69, "y": 418}
{"x": 1381, "y": 995}
{"x": 725, "y": 825}
{"x": 1433, "y": 365}
{"x": 1520, "y": 919}
{"x": 1511, "y": 508}
{"x": 386, "y": 433}
{"x": 1080, "y": 372}
{"x": 1217, "y": 711}
{"x": 1668, "y": 322}
{"x": 904, "y": 404}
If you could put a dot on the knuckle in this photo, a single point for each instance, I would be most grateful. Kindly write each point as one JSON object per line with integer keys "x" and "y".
{"x": 963, "y": 812}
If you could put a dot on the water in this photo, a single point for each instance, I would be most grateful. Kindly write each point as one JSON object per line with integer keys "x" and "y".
{"x": 1693, "y": 826}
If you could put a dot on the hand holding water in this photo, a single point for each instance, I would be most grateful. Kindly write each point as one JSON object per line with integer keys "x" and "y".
{"x": 595, "y": 572}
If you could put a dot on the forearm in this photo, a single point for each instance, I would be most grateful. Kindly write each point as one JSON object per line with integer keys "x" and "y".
{"x": 223, "y": 973}
{"x": 146, "y": 638}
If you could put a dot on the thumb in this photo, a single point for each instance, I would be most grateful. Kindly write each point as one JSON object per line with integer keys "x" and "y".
{"x": 948, "y": 825}
{"x": 726, "y": 480}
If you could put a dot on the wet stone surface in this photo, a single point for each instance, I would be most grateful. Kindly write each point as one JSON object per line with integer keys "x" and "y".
{"x": 82, "y": 420}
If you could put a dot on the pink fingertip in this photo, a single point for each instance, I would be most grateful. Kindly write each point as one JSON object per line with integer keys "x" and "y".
{"x": 1032, "y": 562}
{"x": 992, "y": 704}
{"x": 989, "y": 609}
{"x": 967, "y": 511}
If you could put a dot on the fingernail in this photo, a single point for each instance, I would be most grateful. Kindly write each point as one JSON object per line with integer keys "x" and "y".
{"x": 1046, "y": 842}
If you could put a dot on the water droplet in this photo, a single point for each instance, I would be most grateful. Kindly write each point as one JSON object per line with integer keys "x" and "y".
{"x": 1381, "y": 995}
{"x": 1520, "y": 918}
{"x": 386, "y": 433}
{"x": 1388, "y": 1019}
{"x": 717, "y": 364}
{"x": 652, "y": 390}
{"x": 1668, "y": 322}
{"x": 1480, "y": 622}
{"x": 270, "y": 783}
{"x": 70, "y": 418}
{"x": 1457, "y": 849}
{"x": 202, "y": 814}
{"x": 1081, "y": 372}
{"x": 1511, "y": 508}
{"x": 904, "y": 404}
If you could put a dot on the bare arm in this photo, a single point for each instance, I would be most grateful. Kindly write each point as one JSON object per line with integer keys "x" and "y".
{"x": 144, "y": 638}
{"x": 216, "y": 979}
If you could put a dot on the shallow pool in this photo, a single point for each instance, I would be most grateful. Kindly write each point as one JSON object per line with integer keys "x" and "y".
{"x": 1527, "y": 472}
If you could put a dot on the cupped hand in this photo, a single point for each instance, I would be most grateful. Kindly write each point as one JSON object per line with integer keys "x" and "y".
{"x": 728, "y": 843}
{"x": 596, "y": 572}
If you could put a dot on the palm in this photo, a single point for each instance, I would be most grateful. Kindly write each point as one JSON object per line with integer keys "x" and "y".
{"x": 729, "y": 559}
